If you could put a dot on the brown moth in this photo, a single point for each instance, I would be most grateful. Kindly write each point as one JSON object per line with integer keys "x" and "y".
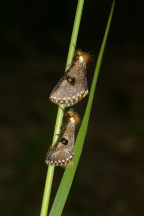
{"x": 61, "y": 154}
{"x": 72, "y": 87}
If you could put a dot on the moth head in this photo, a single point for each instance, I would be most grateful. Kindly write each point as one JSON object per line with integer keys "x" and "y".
{"x": 74, "y": 117}
{"x": 82, "y": 56}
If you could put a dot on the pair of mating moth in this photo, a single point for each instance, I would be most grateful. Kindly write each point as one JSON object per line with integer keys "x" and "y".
{"x": 71, "y": 89}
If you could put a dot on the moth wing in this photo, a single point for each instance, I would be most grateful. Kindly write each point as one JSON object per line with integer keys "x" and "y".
{"x": 72, "y": 87}
{"x": 62, "y": 152}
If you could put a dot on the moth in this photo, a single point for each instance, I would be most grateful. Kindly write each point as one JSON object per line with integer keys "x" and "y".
{"x": 61, "y": 154}
{"x": 72, "y": 87}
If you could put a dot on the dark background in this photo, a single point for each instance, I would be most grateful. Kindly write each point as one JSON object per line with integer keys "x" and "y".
{"x": 34, "y": 43}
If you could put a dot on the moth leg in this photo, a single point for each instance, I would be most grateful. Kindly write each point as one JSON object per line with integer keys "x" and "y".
{"x": 74, "y": 47}
{"x": 62, "y": 109}
{"x": 57, "y": 134}
{"x": 68, "y": 65}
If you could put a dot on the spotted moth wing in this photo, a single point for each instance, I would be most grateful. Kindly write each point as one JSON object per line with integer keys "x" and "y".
{"x": 73, "y": 85}
{"x": 62, "y": 152}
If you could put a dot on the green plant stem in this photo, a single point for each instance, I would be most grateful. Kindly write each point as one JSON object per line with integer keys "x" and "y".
{"x": 75, "y": 31}
{"x": 50, "y": 172}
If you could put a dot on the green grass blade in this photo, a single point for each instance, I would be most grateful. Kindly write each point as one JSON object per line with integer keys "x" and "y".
{"x": 75, "y": 31}
{"x": 69, "y": 173}
{"x": 50, "y": 172}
